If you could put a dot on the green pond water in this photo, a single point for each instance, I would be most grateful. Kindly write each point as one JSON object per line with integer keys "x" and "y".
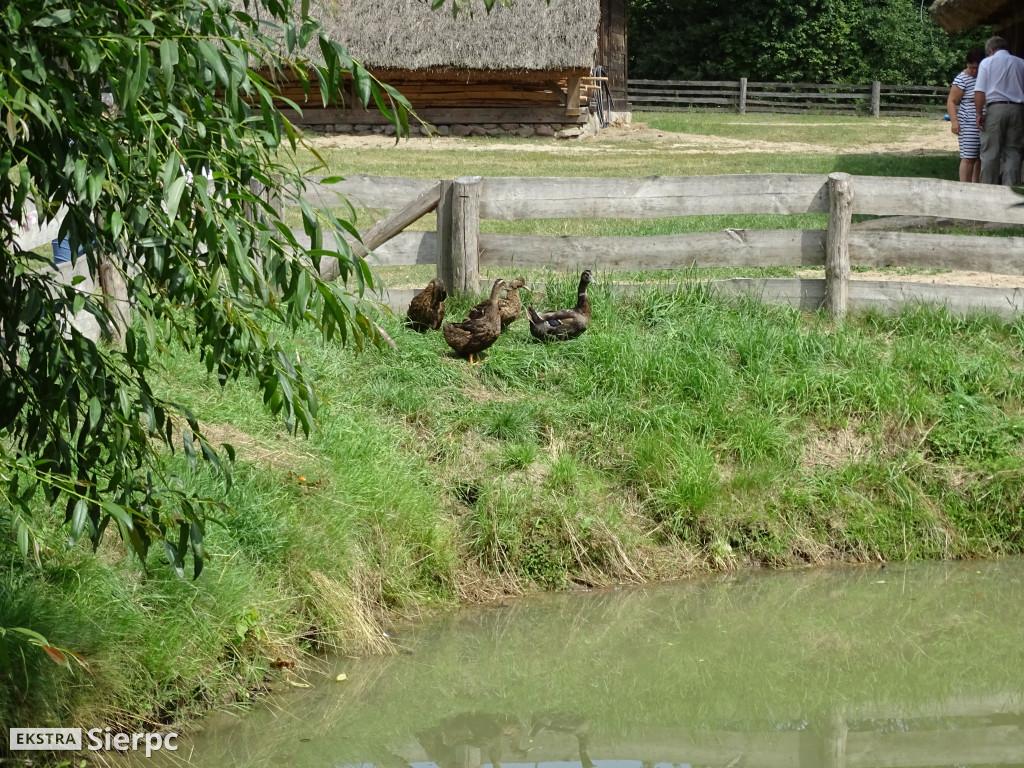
{"x": 907, "y": 665}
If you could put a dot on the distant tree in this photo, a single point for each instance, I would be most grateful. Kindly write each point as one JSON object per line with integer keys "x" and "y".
{"x": 894, "y": 41}
{"x": 211, "y": 265}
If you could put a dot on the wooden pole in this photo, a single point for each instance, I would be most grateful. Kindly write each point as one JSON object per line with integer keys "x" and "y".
{"x": 743, "y": 95}
{"x": 876, "y": 98}
{"x": 572, "y": 96}
{"x": 465, "y": 223}
{"x": 837, "y": 244}
{"x": 444, "y": 235}
{"x": 385, "y": 229}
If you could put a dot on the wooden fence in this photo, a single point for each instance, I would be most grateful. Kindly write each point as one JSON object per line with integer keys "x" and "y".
{"x": 459, "y": 248}
{"x": 740, "y": 95}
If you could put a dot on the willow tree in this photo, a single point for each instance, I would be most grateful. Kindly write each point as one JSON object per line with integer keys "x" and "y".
{"x": 162, "y": 187}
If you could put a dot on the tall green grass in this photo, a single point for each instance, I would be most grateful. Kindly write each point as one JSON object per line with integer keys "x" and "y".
{"x": 682, "y": 432}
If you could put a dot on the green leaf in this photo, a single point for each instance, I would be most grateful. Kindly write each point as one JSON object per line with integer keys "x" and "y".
{"x": 23, "y": 537}
{"x": 189, "y": 445}
{"x": 173, "y": 197}
{"x": 116, "y": 224}
{"x": 119, "y": 513}
{"x": 363, "y": 84}
{"x": 78, "y": 518}
{"x": 215, "y": 59}
{"x": 55, "y": 19}
{"x": 168, "y": 60}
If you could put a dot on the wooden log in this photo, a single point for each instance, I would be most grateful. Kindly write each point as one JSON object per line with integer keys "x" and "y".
{"x": 373, "y": 192}
{"x": 433, "y": 115}
{"x": 445, "y": 265}
{"x": 743, "y": 95}
{"x": 837, "y": 244}
{"x": 806, "y": 294}
{"x": 844, "y": 86}
{"x": 385, "y": 229}
{"x": 684, "y": 83}
{"x": 728, "y": 248}
{"x": 405, "y": 249}
{"x": 509, "y": 198}
{"x": 1003, "y": 255}
{"x": 876, "y": 98}
{"x": 887, "y": 196}
{"x": 572, "y": 92}
{"x": 890, "y": 296}
{"x": 465, "y": 233}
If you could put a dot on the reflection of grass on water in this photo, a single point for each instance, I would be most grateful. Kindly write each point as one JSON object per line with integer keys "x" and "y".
{"x": 890, "y": 648}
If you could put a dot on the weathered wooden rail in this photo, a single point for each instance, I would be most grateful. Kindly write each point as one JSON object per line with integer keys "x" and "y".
{"x": 460, "y": 249}
{"x": 743, "y": 96}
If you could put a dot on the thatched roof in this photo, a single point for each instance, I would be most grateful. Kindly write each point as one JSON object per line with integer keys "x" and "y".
{"x": 406, "y": 34}
{"x": 956, "y": 15}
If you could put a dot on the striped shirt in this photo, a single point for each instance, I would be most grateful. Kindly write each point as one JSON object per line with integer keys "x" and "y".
{"x": 968, "y": 138}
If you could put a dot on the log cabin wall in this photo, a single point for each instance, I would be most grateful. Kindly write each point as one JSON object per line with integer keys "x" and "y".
{"x": 612, "y": 48}
{"x": 461, "y": 103}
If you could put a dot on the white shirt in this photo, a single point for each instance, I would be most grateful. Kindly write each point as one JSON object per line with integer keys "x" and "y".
{"x": 1001, "y": 78}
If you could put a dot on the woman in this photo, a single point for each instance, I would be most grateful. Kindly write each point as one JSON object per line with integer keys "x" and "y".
{"x": 960, "y": 106}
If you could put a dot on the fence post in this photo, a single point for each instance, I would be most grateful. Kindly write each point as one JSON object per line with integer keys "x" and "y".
{"x": 743, "y": 95}
{"x": 444, "y": 235}
{"x": 876, "y": 98}
{"x": 837, "y": 244}
{"x": 465, "y": 234}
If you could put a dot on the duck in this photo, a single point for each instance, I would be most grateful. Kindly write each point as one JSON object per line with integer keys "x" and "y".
{"x": 426, "y": 310}
{"x": 563, "y": 324}
{"x": 475, "y": 334}
{"x": 510, "y": 306}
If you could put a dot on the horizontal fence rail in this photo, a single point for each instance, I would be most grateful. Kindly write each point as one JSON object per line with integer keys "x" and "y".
{"x": 745, "y": 96}
{"x": 836, "y": 248}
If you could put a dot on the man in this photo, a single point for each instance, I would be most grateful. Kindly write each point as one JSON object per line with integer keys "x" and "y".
{"x": 999, "y": 110}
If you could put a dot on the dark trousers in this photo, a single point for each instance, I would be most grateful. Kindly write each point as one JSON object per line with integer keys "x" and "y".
{"x": 1001, "y": 144}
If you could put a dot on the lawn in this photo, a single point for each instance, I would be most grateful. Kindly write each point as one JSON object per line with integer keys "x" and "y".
{"x": 683, "y": 433}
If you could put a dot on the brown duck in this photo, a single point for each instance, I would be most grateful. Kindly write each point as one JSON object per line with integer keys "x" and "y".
{"x": 510, "y": 306}
{"x": 426, "y": 310}
{"x": 563, "y": 324}
{"x": 475, "y": 334}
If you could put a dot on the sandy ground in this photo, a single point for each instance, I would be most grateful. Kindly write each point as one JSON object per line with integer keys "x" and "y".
{"x": 639, "y": 138}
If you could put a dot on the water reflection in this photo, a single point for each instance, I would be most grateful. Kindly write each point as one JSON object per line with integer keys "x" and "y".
{"x": 862, "y": 668}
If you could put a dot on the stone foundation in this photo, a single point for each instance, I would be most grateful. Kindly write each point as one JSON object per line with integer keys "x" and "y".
{"x": 524, "y": 130}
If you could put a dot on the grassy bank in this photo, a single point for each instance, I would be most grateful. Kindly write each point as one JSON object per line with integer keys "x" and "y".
{"x": 681, "y": 433}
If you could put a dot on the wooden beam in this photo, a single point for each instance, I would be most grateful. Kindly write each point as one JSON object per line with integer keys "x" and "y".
{"x": 1002, "y": 256}
{"x": 888, "y": 196}
{"x": 728, "y": 248}
{"x": 386, "y": 228}
{"x": 837, "y": 244}
{"x": 317, "y": 116}
{"x": 445, "y": 267}
{"x": 572, "y": 93}
{"x": 373, "y": 192}
{"x": 510, "y": 198}
{"x": 465, "y": 229}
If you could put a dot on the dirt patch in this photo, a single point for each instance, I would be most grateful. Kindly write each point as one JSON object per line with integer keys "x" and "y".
{"x": 977, "y": 279}
{"x": 287, "y": 455}
{"x": 835, "y": 448}
{"x": 639, "y": 138}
